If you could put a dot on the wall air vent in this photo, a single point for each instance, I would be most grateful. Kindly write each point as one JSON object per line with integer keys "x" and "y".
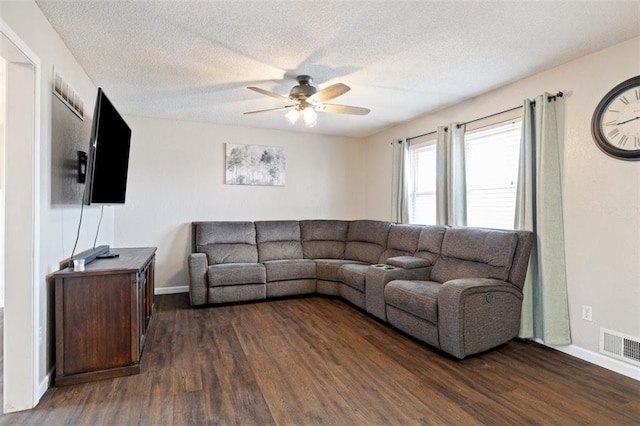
{"x": 67, "y": 95}
{"x": 620, "y": 346}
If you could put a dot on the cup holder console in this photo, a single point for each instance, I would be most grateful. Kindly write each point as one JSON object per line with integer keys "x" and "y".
{"x": 384, "y": 266}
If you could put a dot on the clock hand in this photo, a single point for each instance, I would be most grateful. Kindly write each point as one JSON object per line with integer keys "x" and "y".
{"x": 622, "y": 122}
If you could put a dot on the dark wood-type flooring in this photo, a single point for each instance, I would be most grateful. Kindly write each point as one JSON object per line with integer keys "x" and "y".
{"x": 320, "y": 361}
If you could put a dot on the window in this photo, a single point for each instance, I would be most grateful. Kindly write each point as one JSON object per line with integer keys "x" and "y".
{"x": 492, "y": 156}
{"x": 422, "y": 183}
{"x": 492, "y": 173}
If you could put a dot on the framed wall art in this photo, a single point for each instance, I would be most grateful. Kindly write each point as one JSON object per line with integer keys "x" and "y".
{"x": 254, "y": 165}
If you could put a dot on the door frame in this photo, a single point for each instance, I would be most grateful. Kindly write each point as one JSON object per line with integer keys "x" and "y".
{"x": 22, "y": 388}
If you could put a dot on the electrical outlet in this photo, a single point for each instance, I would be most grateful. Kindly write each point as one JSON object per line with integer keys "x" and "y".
{"x": 587, "y": 312}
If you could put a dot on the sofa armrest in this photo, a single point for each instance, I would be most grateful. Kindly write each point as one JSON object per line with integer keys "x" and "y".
{"x": 408, "y": 262}
{"x": 377, "y": 278}
{"x": 477, "y": 314}
{"x": 198, "y": 278}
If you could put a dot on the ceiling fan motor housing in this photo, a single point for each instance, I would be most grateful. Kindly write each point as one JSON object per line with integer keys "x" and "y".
{"x": 304, "y": 89}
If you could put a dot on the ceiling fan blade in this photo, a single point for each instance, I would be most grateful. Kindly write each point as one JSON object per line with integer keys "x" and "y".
{"x": 329, "y": 93}
{"x": 268, "y": 93}
{"x": 271, "y": 109}
{"x": 342, "y": 109}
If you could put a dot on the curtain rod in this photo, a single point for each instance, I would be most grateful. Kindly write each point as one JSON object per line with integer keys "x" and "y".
{"x": 551, "y": 98}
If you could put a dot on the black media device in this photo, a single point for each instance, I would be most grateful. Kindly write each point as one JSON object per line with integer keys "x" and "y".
{"x": 109, "y": 255}
{"x": 108, "y": 163}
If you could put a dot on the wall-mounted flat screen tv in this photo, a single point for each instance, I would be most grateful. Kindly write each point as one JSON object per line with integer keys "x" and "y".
{"x": 108, "y": 160}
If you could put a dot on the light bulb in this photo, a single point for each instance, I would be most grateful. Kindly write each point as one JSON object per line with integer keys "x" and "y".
{"x": 310, "y": 117}
{"x": 292, "y": 116}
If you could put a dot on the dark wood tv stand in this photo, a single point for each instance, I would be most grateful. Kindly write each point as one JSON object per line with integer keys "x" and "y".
{"x": 102, "y": 316}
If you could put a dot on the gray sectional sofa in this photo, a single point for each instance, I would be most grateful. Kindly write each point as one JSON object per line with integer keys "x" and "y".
{"x": 458, "y": 289}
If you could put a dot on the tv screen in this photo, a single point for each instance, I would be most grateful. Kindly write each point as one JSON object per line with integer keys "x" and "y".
{"x": 108, "y": 155}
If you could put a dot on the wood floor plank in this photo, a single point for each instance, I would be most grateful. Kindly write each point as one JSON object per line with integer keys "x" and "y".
{"x": 189, "y": 379}
{"x": 158, "y": 410}
{"x": 318, "y": 361}
{"x": 232, "y": 393}
{"x": 290, "y": 376}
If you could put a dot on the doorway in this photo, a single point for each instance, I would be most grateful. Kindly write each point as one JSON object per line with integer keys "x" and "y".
{"x": 21, "y": 337}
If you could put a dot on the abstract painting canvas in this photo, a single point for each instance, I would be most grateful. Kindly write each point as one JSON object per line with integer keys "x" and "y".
{"x": 254, "y": 165}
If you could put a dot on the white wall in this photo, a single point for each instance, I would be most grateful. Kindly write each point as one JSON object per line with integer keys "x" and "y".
{"x": 3, "y": 82}
{"x": 176, "y": 176}
{"x": 58, "y": 226}
{"x": 601, "y": 195}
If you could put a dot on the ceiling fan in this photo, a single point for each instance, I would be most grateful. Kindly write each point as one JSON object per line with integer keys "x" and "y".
{"x": 305, "y": 99}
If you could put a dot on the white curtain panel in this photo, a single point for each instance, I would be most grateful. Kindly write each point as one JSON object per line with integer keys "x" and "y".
{"x": 400, "y": 190}
{"x": 451, "y": 187}
{"x": 545, "y": 312}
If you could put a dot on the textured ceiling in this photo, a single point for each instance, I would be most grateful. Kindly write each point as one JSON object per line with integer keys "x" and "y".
{"x": 192, "y": 60}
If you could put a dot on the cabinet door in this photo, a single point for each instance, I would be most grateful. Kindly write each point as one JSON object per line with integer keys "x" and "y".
{"x": 150, "y": 290}
{"x": 140, "y": 317}
{"x": 96, "y": 322}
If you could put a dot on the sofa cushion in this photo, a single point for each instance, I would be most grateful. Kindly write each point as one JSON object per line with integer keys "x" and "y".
{"x": 323, "y": 239}
{"x": 290, "y": 269}
{"x": 278, "y": 239}
{"x": 419, "y": 298}
{"x": 327, "y": 269}
{"x": 475, "y": 253}
{"x": 226, "y": 242}
{"x": 353, "y": 275}
{"x": 237, "y": 293}
{"x": 236, "y": 274}
{"x": 430, "y": 242}
{"x": 224, "y": 233}
{"x": 230, "y": 253}
{"x": 367, "y": 240}
{"x": 402, "y": 241}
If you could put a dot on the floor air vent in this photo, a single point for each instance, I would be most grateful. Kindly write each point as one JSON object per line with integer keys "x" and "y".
{"x": 620, "y": 346}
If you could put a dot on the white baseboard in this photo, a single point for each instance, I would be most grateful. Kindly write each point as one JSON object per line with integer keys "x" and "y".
{"x": 172, "y": 290}
{"x": 45, "y": 384}
{"x": 598, "y": 359}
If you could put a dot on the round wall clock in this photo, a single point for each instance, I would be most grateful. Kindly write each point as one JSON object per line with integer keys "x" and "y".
{"x": 616, "y": 121}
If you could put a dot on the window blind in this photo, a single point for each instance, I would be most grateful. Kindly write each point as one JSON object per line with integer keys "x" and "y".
{"x": 492, "y": 171}
{"x": 422, "y": 194}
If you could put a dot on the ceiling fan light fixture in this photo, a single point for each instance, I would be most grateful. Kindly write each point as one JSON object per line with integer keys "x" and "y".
{"x": 304, "y": 99}
{"x": 293, "y": 115}
{"x": 310, "y": 117}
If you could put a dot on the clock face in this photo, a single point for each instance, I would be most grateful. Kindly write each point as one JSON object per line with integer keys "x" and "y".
{"x": 620, "y": 122}
{"x": 616, "y": 121}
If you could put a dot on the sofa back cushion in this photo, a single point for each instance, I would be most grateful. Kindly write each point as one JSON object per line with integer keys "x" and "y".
{"x": 402, "y": 241}
{"x": 278, "y": 240}
{"x": 226, "y": 242}
{"x": 367, "y": 240}
{"x": 430, "y": 242}
{"x": 521, "y": 256}
{"x": 324, "y": 239}
{"x": 475, "y": 253}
